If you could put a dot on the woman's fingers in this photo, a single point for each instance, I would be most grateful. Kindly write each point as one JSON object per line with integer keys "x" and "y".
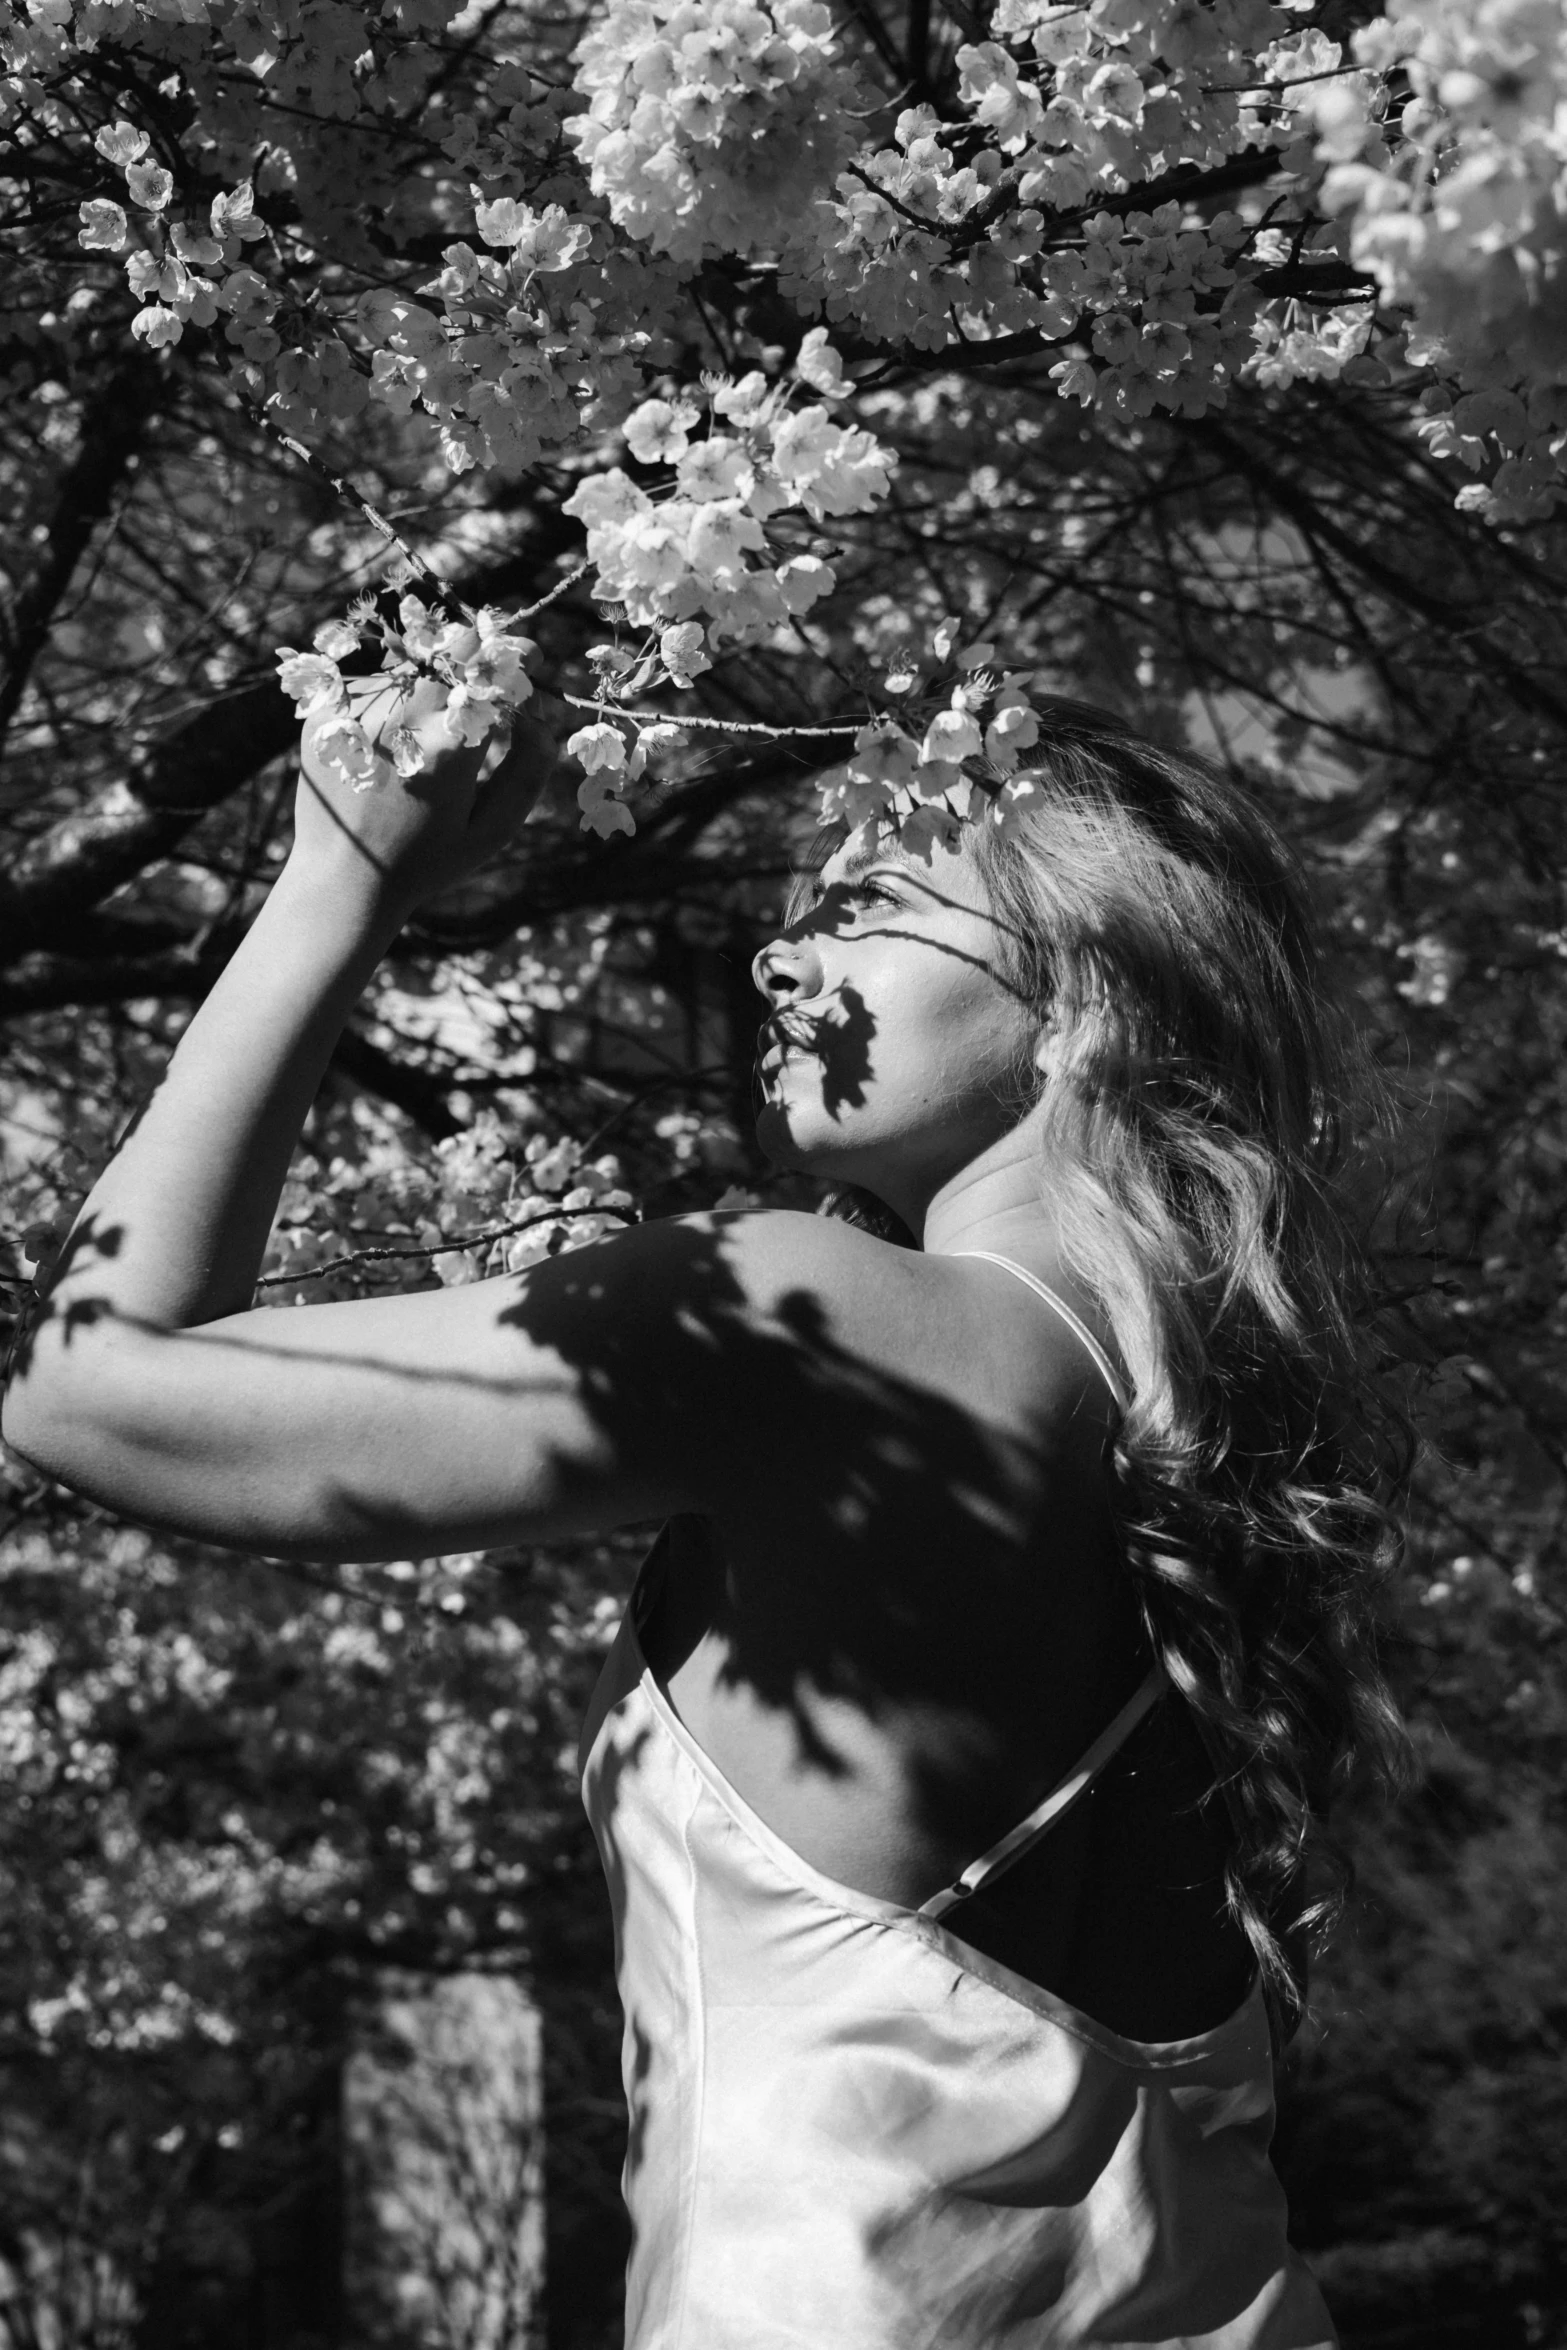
{"x": 513, "y": 774}
{"x": 418, "y": 832}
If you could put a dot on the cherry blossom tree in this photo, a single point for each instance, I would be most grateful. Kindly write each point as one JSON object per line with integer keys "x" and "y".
{"x": 798, "y": 397}
{"x": 1166, "y": 201}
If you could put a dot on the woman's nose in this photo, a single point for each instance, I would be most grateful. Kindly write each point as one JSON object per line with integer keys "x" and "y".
{"x": 788, "y": 971}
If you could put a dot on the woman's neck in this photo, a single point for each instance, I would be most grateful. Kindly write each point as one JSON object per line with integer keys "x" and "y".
{"x": 999, "y": 1201}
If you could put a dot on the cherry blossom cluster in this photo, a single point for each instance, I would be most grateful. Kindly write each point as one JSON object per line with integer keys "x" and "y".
{"x": 537, "y": 336}
{"x": 507, "y": 367}
{"x": 711, "y": 124}
{"x": 697, "y": 541}
{"x": 551, "y": 1199}
{"x": 479, "y": 665}
{"x": 1071, "y": 105}
{"x": 956, "y": 755}
{"x": 1458, "y": 208}
{"x": 614, "y": 750}
{"x": 474, "y": 1208}
{"x": 748, "y": 134}
{"x": 183, "y": 275}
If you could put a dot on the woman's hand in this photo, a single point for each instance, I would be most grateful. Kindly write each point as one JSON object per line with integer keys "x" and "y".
{"x": 410, "y": 837}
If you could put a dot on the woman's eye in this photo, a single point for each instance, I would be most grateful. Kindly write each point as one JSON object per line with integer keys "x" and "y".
{"x": 869, "y": 893}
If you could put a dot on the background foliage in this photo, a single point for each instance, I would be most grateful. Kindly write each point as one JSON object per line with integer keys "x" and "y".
{"x": 231, "y": 1789}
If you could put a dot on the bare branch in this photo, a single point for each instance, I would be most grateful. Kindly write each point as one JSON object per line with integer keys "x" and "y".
{"x": 142, "y": 815}
{"x": 114, "y": 423}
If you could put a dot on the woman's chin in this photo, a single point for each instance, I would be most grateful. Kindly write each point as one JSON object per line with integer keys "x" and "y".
{"x": 788, "y": 1140}
{"x": 776, "y": 1138}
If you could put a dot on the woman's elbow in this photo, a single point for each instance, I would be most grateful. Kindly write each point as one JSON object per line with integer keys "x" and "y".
{"x": 31, "y": 1418}
{"x": 111, "y": 1426}
{"x": 60, "y": 1413}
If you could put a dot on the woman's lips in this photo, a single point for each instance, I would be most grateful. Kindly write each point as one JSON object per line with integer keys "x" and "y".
{"x": 780, "y": 1039}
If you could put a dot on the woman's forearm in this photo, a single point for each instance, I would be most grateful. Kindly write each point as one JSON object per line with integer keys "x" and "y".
{"x": 174, "y": 1230}
{"x": 172, "y": 1234}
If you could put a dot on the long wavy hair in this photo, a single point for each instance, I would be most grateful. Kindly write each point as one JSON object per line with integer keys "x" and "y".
{"x": 1202, "y": 1088}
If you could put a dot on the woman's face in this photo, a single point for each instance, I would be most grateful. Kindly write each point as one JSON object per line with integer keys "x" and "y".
{"x": 890, "y": 1053}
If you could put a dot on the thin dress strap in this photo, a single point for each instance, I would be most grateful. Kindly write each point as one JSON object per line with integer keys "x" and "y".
{"x": 1060, "y": 1800}
{"x": 1074, "y": 1322}
{"x": 1077, "y": 1782}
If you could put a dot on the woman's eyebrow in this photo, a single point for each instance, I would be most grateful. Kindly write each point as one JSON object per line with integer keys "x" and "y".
{"x": 857, "y": 861}
{"x": 814, "y": 887}
{"x": 862, "y": 861}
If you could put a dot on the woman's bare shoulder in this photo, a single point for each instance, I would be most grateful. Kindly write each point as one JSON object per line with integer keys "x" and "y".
{"x": 861, "y": 1307}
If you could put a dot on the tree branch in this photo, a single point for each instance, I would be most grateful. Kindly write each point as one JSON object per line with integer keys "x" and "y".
{"x": 143, "y": 815}
{"x": 416, "y": 1092}
{"x": 114, "y": 422}
{"x": 140, "y": 817}
{"x": 1291, "y": 498}
{"x": 48, "y": 983}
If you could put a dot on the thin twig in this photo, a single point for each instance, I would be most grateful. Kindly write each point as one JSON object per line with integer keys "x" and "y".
{"x": 718, "y": 725}
{"x": 442, "y": 1248}
{"x": 559, "y": 589}
{"x": 437, "y": 589}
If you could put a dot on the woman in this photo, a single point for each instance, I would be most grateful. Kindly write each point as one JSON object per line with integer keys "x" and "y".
{"x": 959, "y": 1766}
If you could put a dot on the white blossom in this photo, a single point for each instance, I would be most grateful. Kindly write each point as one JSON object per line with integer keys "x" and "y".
{"x": 104, "y": 227}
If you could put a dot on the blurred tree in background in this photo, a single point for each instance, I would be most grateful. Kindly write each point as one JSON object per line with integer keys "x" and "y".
{"x": 1156, "y": 407}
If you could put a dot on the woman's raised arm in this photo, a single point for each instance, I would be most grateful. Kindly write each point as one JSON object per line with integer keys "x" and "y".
{"x": 369, "y": 1429}
{"x": 174, "y": 1230}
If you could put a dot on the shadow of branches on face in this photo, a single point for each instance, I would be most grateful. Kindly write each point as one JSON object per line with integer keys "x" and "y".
{"x": 843, "y": 1044}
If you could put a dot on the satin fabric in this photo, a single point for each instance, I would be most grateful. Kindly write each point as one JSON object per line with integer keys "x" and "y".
{"x": 849, "y": 2131}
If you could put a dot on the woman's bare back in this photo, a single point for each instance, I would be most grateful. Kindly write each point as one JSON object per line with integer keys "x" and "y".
{"x": 896, "y": 1657}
